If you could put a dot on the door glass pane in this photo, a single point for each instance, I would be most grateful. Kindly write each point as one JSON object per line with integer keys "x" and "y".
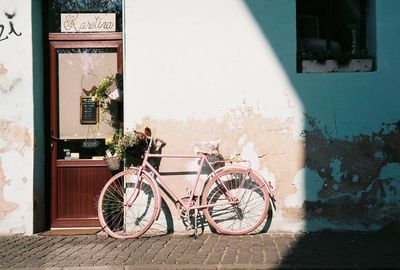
{"x": 83, "y": 126}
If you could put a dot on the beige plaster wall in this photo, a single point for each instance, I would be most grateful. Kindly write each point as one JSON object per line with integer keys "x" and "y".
{"x": 16, "y": 118}
{"x": 202, "y": 70}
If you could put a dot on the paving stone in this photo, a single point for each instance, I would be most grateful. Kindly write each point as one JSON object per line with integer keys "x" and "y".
{"x": 346, "y": 250}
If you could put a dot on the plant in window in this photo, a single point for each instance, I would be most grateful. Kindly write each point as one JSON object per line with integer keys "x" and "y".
{"x": 341, "y": 58}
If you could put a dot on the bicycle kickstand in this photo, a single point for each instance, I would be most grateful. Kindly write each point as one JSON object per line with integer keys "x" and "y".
{"x": 196, "y": 212}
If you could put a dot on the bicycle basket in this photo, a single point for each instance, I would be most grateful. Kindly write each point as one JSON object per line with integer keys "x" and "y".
{"x": 113, "y": 163}
{"x": 134, "y": 154}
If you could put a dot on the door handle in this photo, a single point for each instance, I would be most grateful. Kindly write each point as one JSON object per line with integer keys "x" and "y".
{"x": 53, "y": 139}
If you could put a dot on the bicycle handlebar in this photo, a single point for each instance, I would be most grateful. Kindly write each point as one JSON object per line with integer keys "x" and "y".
{"x": 150, "y": 140}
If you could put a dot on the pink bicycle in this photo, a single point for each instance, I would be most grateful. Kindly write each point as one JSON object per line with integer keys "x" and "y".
{"x": 235, "y": 198}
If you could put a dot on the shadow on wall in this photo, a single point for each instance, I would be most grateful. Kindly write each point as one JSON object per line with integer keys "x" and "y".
{"x": 350, "y": 183}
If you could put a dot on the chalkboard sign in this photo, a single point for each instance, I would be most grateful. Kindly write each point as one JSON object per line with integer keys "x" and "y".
{"x": 89, "y": 111}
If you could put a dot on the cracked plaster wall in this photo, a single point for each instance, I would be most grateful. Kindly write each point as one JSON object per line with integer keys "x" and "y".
{"x": 16, "y": 119}
{"x": 221, "y": 70}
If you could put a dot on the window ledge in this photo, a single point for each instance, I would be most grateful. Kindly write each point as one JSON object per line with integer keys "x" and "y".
{"x": 355, "y": 65}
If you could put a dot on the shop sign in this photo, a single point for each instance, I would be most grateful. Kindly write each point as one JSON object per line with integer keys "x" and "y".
{"x": 87, "y": 22}
{"x": 89, "y": 111}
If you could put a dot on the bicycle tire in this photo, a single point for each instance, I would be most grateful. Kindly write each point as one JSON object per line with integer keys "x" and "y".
{"x": 117, "y": 218}
{"x": 250, "y": 208}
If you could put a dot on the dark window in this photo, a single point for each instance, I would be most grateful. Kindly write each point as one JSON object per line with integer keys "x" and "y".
{"x": 335, "y": 29}
{"x": 56, "y": 7}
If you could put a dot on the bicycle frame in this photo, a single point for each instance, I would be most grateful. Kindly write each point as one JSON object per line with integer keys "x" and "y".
{"x": 161, "y": 182}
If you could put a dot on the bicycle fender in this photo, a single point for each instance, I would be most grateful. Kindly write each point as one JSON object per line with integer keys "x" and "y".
{"x": 215, "y": 172}
{"x": 267, "y": 183}
{"x": 269, "y": 188}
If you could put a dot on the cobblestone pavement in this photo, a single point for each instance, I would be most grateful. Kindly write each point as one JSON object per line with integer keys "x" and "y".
{"x": 326, "y": 250}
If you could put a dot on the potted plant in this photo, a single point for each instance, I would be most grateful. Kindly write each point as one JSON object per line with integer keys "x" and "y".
{"x": 327, "y": 61}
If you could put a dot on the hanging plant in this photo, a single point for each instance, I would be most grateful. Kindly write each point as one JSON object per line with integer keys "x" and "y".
{"x": 101, "y": 92}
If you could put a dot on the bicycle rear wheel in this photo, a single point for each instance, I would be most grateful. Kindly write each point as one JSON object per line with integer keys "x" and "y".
{"x": 248, "y": 206}
{"x": 128, "y": 205}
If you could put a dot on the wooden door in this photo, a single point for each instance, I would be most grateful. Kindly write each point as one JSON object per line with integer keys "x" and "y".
{"x": 78, "y": 172}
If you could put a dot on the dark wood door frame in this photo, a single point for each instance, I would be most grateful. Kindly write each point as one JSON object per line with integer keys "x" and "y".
{"x": 60, "y": 41}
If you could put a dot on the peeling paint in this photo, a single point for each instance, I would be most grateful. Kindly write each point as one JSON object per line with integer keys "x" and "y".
{"x": 361, "y": 180}
{"x": 243, "y": 131}
{"x": 12, "y": 138}
{"x": 331, "y": 182}
{"x": 7, "y": 82}
{"x": 3, "y": 70}
{"x": 390, "y": 171}
{"x": 306, "y": 181}
{"x": 7, "y": 85}
{"x": 5, "y": 207}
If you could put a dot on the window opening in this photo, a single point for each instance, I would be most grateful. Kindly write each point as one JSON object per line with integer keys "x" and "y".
{"x": 339, "y": 30}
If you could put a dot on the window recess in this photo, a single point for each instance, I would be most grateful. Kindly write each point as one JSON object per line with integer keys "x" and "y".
{"x": 335, "y": 35}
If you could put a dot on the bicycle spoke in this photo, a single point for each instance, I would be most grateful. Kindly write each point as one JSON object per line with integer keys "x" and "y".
{"x": 239, "y": 200}
{"x": 127, "y": 205}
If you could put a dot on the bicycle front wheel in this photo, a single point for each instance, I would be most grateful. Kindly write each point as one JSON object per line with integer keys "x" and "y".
{"x": 238, "y": 201}
{"x": 128, "y": 205}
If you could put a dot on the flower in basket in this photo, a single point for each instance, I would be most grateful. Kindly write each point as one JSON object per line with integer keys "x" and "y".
{"x": 129, "y": 146}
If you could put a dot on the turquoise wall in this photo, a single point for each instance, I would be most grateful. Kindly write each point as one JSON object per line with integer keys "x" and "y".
{"x": 39, "y": 183}
{"x": 352, "y": 124}
{"x": 361, "y": 102}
